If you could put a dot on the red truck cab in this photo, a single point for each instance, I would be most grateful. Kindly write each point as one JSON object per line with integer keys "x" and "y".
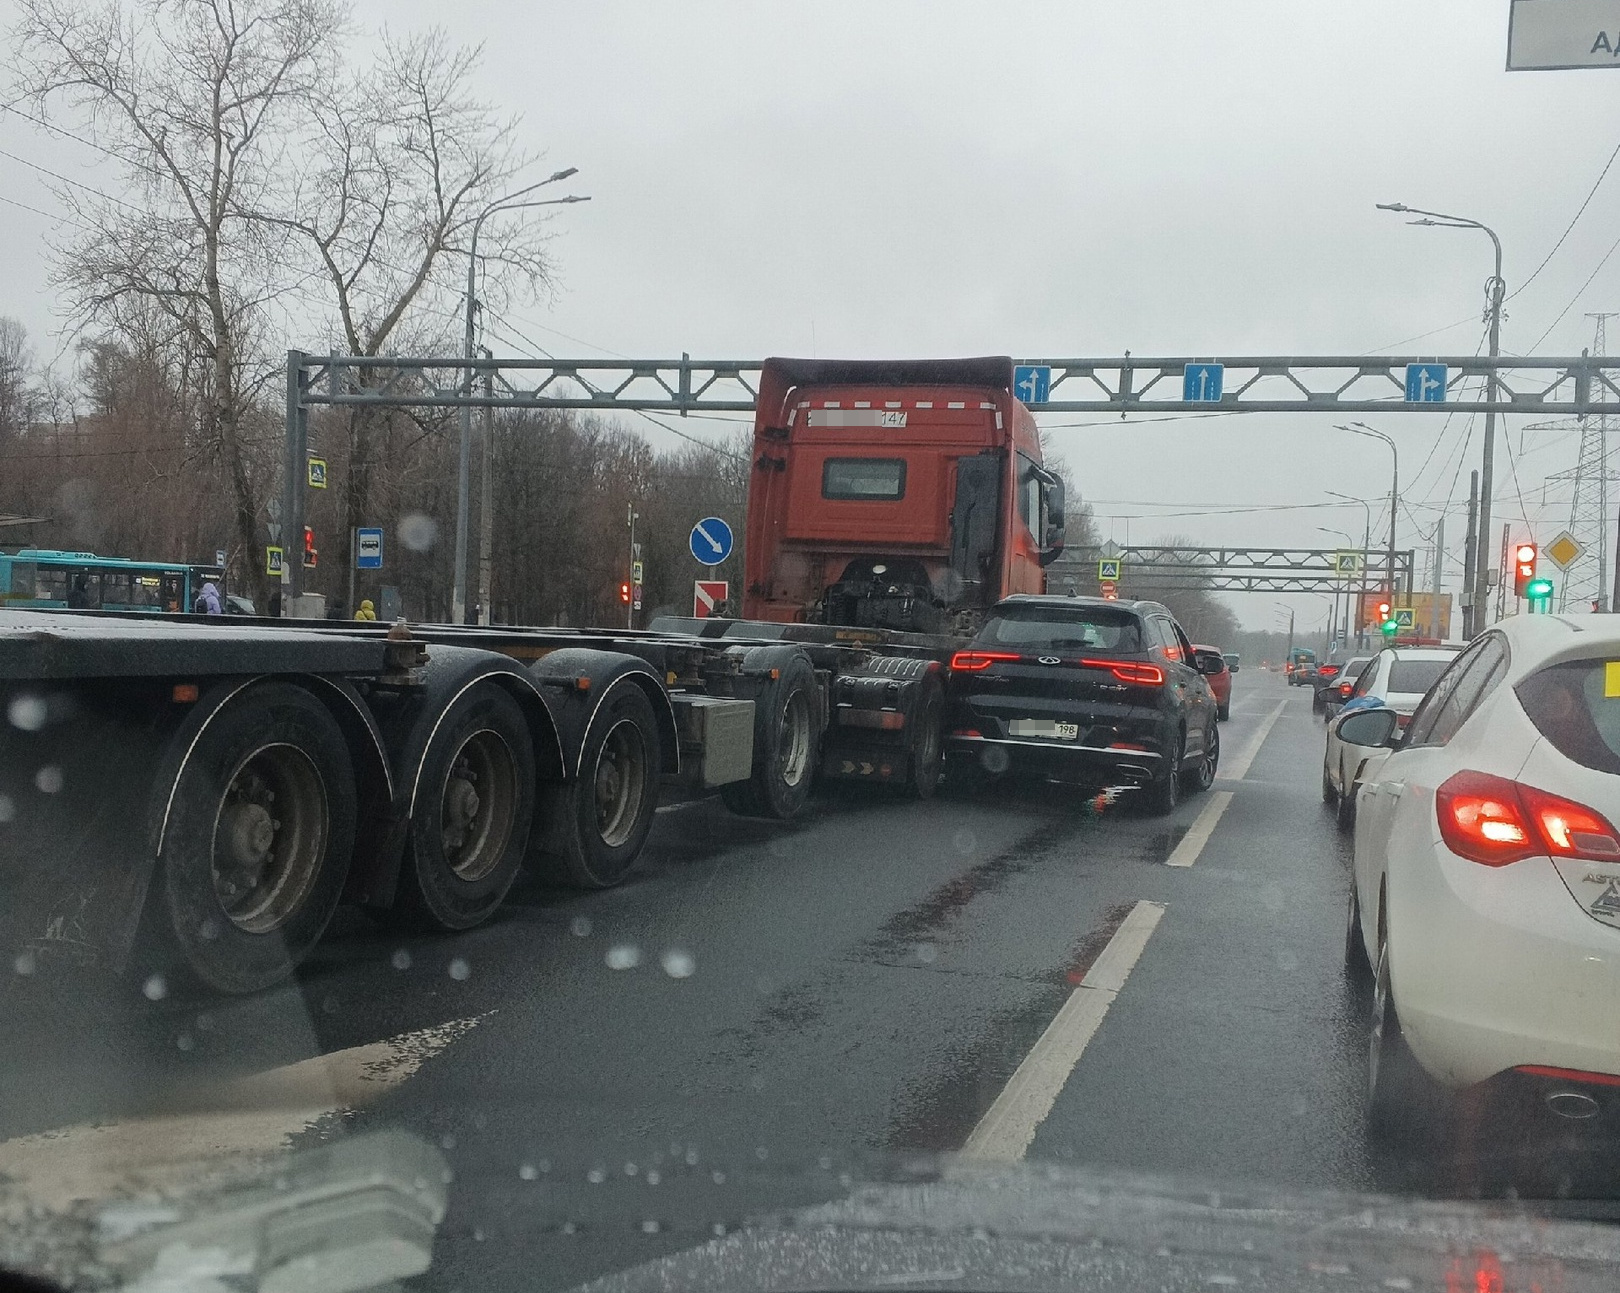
{"x": 906, "y": 495}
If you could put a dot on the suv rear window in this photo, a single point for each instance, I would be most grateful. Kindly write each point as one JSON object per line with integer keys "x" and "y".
{"x": 1576, "y": 706}
{"x": 1082, "y": 628}
{"x": 1408, "y": 677}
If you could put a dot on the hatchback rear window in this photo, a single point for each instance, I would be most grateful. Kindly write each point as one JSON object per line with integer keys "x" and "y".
{"x": 1414, "y": 677}
{"x": 1576, "y": 706}
{"x": 1099, "y": 629}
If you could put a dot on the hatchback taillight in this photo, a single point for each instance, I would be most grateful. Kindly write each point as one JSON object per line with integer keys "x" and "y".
{"x": 1494, "y": 821}
{"x": 973, "y": 661}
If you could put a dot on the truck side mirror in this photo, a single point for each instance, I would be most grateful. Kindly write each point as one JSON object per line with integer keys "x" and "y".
{"x": 1052, "y": 540}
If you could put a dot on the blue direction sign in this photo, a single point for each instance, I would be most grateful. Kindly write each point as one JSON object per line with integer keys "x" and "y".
{"x": 1201, "y": 383}
{"x": 368, "y": 549}
{"x": 1425, "y": 383}
{"x": 1032, "y": 383}
{"x": 711, "y": 541}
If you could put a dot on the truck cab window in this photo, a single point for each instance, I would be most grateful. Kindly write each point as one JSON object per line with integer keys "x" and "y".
{"x": 864, "y": 478}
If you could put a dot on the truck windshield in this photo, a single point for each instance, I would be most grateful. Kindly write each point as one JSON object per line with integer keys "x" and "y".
{"x": 1087, "y": 628}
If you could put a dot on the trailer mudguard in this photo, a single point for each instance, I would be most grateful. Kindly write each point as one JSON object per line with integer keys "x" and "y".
{"x": 407, "y": 719}
{"x": 575, "y": 681}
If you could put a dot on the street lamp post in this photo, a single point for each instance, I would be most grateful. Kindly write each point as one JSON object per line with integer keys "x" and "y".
{"x": 1344, "y": 592}
{"x": 1495, "y": 288}
{"x": 1366, "y": 543}
{"x": 1361, "y": 428}
{"x": 458, "y": 582}
{"x": 1289, "y": 656}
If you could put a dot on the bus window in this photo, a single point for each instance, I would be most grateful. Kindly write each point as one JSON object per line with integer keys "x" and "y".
{"x": 174, "y": 592}
{"x": 22, "y": 581}
{"x": 50, "y": 584}
{"x": 146, "y": 593}
{"x": 115, "y": 590}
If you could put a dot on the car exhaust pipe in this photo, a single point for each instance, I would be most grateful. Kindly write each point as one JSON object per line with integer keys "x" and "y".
{"x": 1574, "y": 1105}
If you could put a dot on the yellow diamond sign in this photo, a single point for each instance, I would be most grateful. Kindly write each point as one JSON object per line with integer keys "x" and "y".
{"x": 1563, "y": 550}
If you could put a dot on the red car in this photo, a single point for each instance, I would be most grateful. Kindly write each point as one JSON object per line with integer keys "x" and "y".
{"x": 1220, "y": 681}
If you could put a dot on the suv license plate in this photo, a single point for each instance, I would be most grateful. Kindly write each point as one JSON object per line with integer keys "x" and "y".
{"x": 1044, "y": 727}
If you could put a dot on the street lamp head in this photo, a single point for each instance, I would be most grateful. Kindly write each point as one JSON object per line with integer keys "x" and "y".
{"x": 561, "y": 175}
{"x": 1392, "y": 206}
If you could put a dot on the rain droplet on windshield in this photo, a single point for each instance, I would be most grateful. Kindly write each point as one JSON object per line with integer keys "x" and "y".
{"x": 678, "y": 964}
{"x": 623, "y": 956}
{"x": 27, "y": 711}
{"x": 596, "y": 1176}
{"x": 418, "y": 531}
{"x": 459, "y": 969}
{"x": 26, "y": 963}
{"x": 155, "y": 988}
{"x": 649, "y": 1227}
{"x": 965, "y": 840}
{"x": 654, "y": 1177}
{"x": 580, "y": 926}
{"x": 401, "y": 960}
{"x": 527, "y": 1172}
{"x": 927, "y": 953}
{"x": 48, "y": 779}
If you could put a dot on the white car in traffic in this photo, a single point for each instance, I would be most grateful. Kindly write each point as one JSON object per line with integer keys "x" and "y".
{"x": 1485, "y": 909}
{"x": 1396, "y": 679}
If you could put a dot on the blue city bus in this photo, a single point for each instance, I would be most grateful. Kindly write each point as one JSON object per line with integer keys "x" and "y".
{"x": 44, "y": 579}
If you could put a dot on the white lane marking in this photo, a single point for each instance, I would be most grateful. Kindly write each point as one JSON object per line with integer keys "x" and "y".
{"x": 251, "y": 1115}
{"x": 1008, "y": 1126}
{"x": 1192, "y": 843}
{"x": 1238, "y": 768}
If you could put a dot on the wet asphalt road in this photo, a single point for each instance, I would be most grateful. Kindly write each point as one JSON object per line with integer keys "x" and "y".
{"x": 797, "y": 1006}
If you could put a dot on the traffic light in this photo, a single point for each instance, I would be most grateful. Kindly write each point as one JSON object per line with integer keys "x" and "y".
{"x": 1540, "y": 592}
{"x": 310, "y": 555}
{"x": 624, "y": 592}
{"x": 1386, "y": 620}
{"x": 1524, "y": 569}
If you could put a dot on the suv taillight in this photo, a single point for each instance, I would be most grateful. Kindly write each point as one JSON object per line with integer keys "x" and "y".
{"x": 973, "y": 661}
{"x": 1494, "y": 821}
{"x": 1146, "y": 675}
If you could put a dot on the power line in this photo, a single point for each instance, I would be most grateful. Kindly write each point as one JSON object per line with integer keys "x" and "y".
{"x": 1613, "y": 247}
{"x": 57, "y": 175}
{"x": 1591, "y": 193}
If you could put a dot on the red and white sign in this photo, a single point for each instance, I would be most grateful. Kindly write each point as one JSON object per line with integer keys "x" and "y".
{"x": 706, "y": 595}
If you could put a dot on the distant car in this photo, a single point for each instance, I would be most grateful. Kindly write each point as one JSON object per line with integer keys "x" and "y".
{"x": 1486, "y": 901}
{"x": 1301, "y": 666}
{"x": 1325, "y": 676}
{"x": 235, "y": 605}
{"x": 1232, "y": 659}
{"x": 1218, "y": 674}
{"x": 1396, "y": 679}
{"x": 1339, "y": 690}
{"x": 1084, "y": 690}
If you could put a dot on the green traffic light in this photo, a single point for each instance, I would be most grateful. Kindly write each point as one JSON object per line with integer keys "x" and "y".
{"x": 1537, "y": 589}
{"x": 1389, "y": 628}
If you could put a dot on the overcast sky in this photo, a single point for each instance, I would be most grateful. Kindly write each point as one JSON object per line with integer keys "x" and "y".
{"x": 937, "y": 178}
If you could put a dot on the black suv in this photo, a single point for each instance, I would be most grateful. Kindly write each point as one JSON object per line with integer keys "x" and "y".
{"x": 1085, "y": 690}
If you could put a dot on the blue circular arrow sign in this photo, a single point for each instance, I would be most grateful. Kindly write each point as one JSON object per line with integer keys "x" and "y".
{"x": 711, "y": 541}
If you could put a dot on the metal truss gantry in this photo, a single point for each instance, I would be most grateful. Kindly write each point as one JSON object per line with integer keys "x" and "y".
{"x": 1152, "y": 569}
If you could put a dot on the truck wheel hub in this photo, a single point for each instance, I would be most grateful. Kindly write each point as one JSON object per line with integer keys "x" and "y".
{"x": 250, "y": 832}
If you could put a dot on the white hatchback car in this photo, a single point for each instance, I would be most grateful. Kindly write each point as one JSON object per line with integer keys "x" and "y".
{"x": 1486, "y": 903}
{"x": 1397, "y": 678}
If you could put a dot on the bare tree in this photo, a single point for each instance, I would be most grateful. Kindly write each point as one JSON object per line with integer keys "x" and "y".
{"x": 193, "y": 98}
{"x": 403, "y": 156}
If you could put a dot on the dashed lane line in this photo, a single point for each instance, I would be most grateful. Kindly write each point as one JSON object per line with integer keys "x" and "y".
{"x": 1192, "y": 843}
{"x": 1238, "y": 768}
{"x": 1007, "y": 1128}
{"x": 251, "y": 1115}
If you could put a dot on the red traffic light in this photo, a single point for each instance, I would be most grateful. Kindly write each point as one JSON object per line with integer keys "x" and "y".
{"x": 624, "y": 592}
{"x": 1524, "y": 567}
{"x": 1383, "y": 611}
{"x": 310, "y": 555}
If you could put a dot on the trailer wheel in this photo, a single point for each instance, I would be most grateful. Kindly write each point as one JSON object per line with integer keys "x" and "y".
{"x": 474, "y": 806}
{"x": 784, "y": 747}
{"x": 600, "y": 820}
{"x": 927, "y": 743}
{"x": 258, "y": 842}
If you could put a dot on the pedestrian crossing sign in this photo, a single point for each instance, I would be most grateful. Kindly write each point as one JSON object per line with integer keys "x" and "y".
{"x": 1108, "y": 569}
{"x": 1405, "y": 621}
{"x": 1347, "y": 563}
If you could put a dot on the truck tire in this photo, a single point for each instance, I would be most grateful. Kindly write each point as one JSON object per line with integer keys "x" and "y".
{"x": 784, "y": 747}
{"x": 474, "y": 805}
{"x": 927, "y": 742}
{"x": 258, "y": 841}
{"x": 598, "y": 822}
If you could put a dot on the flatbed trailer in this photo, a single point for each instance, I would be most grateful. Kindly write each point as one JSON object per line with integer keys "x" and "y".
{"x": 183, "y": 795}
